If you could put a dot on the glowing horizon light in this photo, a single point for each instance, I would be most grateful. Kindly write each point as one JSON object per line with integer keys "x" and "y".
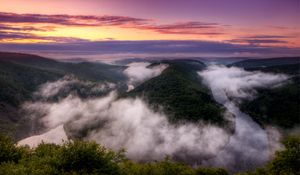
{"x": 274, "y": 23}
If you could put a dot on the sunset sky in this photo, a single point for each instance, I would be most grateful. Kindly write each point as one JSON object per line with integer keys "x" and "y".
{"x": 76, "y": 28}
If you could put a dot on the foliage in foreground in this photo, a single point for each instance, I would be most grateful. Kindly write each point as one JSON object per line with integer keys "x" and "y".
{"x": 285, "y": 162}
{"x": 80, "y": 157}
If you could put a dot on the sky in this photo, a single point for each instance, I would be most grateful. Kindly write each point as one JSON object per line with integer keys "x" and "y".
{"x": 112, "y": 28}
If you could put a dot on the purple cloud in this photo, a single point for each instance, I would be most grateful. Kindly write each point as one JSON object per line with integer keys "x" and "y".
{"x": 190, "y": 27}
{"x": 257, "y": 41}
{"x": 22, "y": 35}
{"x": 261, "y": 39}
{"x": 70, "y": 20}
{"x": 23, "y": 28}
{"x": 149, "y": 47}
{"x": 265, "y": 37}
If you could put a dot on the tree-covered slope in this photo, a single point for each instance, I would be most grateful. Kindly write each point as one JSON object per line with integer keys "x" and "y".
{"x": 260, "y": 63}
{"x": 83, "y": 70}
{"x": 281, "y": 105}
{"x": 181, "y": 94}
{"x": 17, "y": 83}
{"x": 22, "y": 74}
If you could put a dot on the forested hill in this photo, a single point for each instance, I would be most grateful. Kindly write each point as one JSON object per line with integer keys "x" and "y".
{"x": 266, "y": 62}
{"x": 181, "y": 93}
{"x": 84, "y": 70}
{"x": 22, "y": 74}
{"x": 278, "y": 106}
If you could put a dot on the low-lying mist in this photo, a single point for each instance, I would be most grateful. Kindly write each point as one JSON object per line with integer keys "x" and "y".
{"x": 130, "y": 124}
{"x": 72, "y": 85}
{"x": 138, "y": 72}
{"x": 250, "y": 146}
{"x": 147, "y": 135}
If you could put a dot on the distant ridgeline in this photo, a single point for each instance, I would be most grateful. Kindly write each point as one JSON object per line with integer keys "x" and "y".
{"x": 281, "y": 105}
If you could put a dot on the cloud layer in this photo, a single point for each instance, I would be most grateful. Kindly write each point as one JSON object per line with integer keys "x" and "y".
{"x": 29, "y": 27}
{"x": 16, "y": 27}
{"x": 147, "y": 135}
{"x": 188, "y": 27}
{"x": 237, "y": 83}
{"x": 250, "y": 146}
{"x": 56, "y": 135}
{"x": 128, "y": 123}
{"x": 71, "y": 85}
{"x": 107, "y": 49}
{"x": 69, "y": 20}
{"x": 139, "y": 72}
{"x": 262, "y": 39}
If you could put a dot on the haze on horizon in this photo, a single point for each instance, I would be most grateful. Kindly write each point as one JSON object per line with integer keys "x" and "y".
{"x": 118, "y": 28}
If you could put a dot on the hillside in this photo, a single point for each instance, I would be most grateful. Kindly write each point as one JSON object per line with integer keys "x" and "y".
{"x": 17, "y": 84}
{"x": 266, "y": 62}
{"x": 22, "y": 74}
{"x": 279, "y": 106}
{"x": 84, "y": 70}
{"x": 291, "y": 69}
{"x": 181, "y": 94}
{"x": 178, "y": 89}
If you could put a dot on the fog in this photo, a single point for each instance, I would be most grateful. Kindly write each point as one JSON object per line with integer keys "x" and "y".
{"x": 56, "y": 135}
{"x": 250, "y": 146}
{"x": 147, "y": 135}
{"x": 237, "y": 83}
{"x": 130, "y": 124}
{"x": 72, "y": 85}
{"x": 138, "y": 72}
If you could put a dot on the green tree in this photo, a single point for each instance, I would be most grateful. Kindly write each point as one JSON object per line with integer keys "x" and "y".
{"x": 89, "y": 157}
{"x": 8, "y": 150}
{"x": 287, "y": 162}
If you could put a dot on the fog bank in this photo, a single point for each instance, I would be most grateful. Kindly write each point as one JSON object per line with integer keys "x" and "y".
{"x": 139, "y": 72}
{"x": 147, "y": 135}
{"x": 71, "y": 85}
{"x": 250, "y": 146}
{"x": 56, "y": 135}
{"x": 130, "y": 124}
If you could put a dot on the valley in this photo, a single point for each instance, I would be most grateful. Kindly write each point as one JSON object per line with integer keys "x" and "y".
{"x": 211, "y": 114}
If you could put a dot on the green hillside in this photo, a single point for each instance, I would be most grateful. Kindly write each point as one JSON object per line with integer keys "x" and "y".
{"x": 281, "y": 105}
{"x": 84, "y": 70}
{"x": 266, "y": 62}
{"x": 17, "y": 83}
{"x": 181, "y": 94}
{"x": 22, "y": 74}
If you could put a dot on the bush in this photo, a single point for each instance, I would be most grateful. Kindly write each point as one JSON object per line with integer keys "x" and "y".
{"x": 9, "y": 152}
{"x": 287, "y": 162}
{"x": 165, "y": 167}
{"x": 89, "y": 157}
{"x": 80, "y": 157}
{"x": 211, "y": 171}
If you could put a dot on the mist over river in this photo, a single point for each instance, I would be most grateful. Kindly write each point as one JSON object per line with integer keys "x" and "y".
{"x": 146, "y": 134}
